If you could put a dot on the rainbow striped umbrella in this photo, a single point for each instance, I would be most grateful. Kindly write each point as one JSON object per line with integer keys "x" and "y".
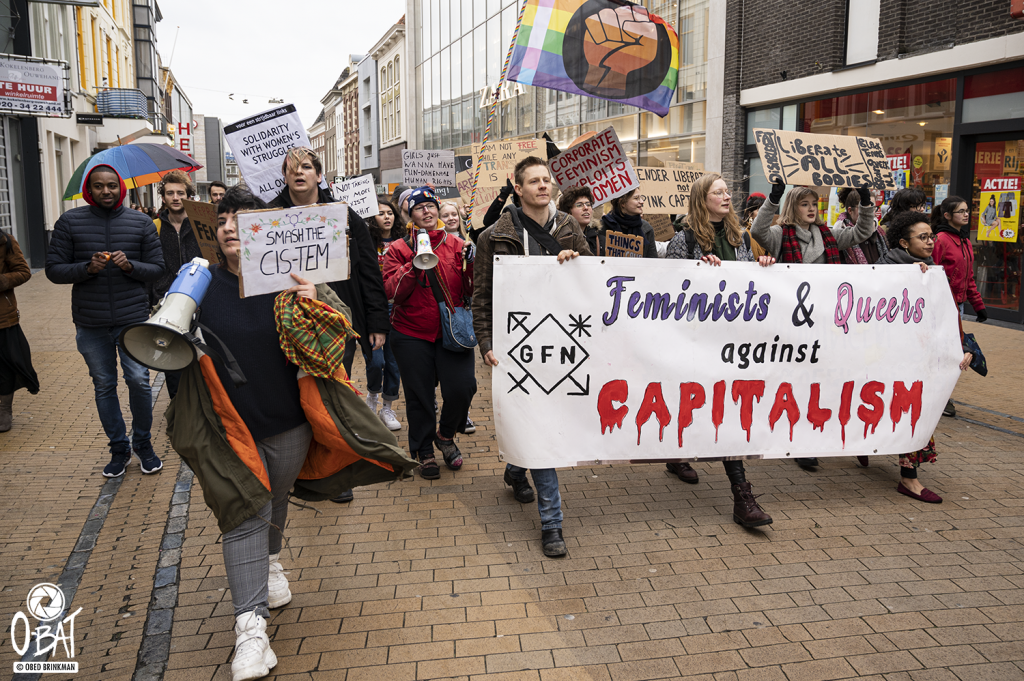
{"x": 137, "y": 164}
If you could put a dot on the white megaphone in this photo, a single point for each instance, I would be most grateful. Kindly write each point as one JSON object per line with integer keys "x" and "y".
{"x": 424, "y": 258}
{"x": 161, "y": 343}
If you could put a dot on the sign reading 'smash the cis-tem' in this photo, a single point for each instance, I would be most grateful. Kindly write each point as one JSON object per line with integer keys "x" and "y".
{"x": 309, "y": 241}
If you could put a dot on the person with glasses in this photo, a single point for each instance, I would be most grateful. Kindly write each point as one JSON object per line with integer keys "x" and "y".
{"x": 953, "y": 250}
{"x": 908, "y": 198}
{"x": 579, "y": 203}
{"x": 626, "y": 217}
{"x": 911, "y": 241}
{"x": 802, "y": 237}
{"x": 713, "y": 234}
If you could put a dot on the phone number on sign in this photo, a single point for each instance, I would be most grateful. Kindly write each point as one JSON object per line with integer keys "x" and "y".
{"x": 30, "y": 106}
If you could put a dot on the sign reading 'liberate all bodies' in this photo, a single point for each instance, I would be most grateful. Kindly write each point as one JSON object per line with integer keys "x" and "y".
{"x": 823, "y": 160}
{"x": 628, "y": 360}
{"x": 600, "y": 163}
{"x": 310, "y": 241}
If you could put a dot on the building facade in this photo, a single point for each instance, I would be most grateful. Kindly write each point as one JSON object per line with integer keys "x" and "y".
{"x": 459, "y": 47}
{"x": 369, "y": 139}
{"x": 348, "y": 161}
{"x": 393, "y": 117}
{"x": 333, "y": 130}
{"x": 316, "y": 135}
{"x": 944, "y": 95}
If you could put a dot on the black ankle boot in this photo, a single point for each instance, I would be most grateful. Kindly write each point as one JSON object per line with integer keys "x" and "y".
{"x": 745, "y": 510}
{"x": 521, "y": 489}
{"x": 552, "y": 543}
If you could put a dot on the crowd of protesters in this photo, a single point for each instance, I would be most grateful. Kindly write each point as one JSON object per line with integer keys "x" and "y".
{"x": 121, "y": 262}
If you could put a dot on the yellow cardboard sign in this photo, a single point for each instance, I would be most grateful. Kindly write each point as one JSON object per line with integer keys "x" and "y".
{"x": 823, "y": 160}
{"x": 203, "y": 217}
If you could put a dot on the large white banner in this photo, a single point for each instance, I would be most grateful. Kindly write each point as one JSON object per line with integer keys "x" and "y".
{"x": 606, "y": 360}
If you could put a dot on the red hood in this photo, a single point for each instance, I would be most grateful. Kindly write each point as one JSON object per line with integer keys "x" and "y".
{"x": 88, "y": 196}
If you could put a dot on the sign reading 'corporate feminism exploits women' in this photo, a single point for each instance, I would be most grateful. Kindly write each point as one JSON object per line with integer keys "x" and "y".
{"x": 823, "y": 160}
{"x": 598, "y": 162}
{"x": 639, "y": 360}
{"x": 310, "y": 241}
{"x": 260, "y": 144}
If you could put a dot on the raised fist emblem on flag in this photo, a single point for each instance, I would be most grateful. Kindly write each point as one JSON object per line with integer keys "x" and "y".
{"x": 615, "y": 50}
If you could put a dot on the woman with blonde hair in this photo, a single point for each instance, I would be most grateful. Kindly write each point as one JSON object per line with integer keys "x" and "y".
{"x": 803, "y": 237}
{"x": 713, "y": 234}
{"x": 452, "y": 220}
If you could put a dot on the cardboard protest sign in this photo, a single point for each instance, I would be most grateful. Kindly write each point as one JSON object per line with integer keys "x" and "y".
{"x": 684, "y": 165}
{"x": 748, "y": 374}
{"x": 428, "y": 167}
{"x": 619, "y": 245}
{"x": 311, "y": 241}
{"x": 203, "y": 217}
{"x": 484, "y": 197}
{"x": 667, "y": 190}
{"x": 498, "y": 163}
{"x": 600, "y": 163}
{"x": 260, "y": 144}
{"x": 1000, "y": 209}
{"x": 358, "y": 193}
{"x": 823, "y": 160}
{"x": 662, "y": 224}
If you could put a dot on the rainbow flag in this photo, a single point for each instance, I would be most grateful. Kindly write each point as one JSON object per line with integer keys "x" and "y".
{"x": 610, "y": 49}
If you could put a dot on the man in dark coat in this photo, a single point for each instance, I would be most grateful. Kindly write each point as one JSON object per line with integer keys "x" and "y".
{"x": 109, "y": 254}
{"x": 363, "y": 291}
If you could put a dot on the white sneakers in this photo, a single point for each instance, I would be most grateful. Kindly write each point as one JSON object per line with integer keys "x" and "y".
{"x": 278, "y": 593}
{"x": 386, "y": 415}
{"x": 253, "y": 657}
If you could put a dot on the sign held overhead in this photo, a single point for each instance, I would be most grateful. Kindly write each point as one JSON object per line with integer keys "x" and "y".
{"x": 600, "y": 163}
{"x": 823, "y": 160}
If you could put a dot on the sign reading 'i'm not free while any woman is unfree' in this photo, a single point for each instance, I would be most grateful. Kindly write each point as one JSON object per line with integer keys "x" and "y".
{"x": 309, "y": 241}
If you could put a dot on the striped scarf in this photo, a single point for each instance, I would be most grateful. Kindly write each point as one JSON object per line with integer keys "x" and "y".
{"x": 313, "y": 336}
{"x": 791, "y": 252}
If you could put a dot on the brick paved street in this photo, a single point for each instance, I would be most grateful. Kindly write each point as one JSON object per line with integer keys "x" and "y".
{"x": 446, "y": 579}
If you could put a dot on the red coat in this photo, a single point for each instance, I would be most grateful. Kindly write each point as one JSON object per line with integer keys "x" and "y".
{"x": 415, "y": 312}
{"x": 956, "y": 255}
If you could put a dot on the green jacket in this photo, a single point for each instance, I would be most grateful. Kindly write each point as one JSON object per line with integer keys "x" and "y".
{"x": 351, "y": 447}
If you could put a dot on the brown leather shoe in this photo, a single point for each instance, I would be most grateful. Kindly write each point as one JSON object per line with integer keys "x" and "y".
{"x": 746, "y": 510}
{"x": 683, "y": 470}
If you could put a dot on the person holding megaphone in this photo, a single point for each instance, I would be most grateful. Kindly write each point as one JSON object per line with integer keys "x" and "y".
{"x": 428, "y": 276}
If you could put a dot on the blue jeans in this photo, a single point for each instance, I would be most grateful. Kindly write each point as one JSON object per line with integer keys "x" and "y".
{"x": 382, "y": 374}
{"x": 549, "y": 499}
{"x": 100, "y": 348}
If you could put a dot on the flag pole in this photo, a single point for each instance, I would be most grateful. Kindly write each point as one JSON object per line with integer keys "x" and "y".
{"x": 493, "y": 110}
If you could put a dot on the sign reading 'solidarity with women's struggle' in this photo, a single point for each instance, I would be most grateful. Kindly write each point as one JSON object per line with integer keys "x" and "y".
{"x": 624, "y": 360}
{"x": 310, "y": 241}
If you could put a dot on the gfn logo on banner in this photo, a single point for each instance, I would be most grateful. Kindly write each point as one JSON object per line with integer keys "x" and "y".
{"x": 46, "y": 603}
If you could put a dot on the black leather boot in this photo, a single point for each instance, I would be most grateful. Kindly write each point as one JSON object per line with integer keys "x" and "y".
{"x": 552, "y": 543}
{"x": 683, "y": 471}
{"x": 520, "y": 488}
{"x": 746, "y": 510}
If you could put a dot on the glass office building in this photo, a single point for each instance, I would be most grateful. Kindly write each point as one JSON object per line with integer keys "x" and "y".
{"x": 460, "y": 47}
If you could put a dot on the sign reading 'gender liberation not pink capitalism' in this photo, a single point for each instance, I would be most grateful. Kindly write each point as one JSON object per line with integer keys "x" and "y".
{"x": 766, "y": 363}
{"x": 600, "y": 163}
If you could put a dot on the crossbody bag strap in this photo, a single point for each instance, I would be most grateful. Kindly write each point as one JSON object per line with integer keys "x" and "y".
{"x": 542, "y": 237}
{"x": 231, "y": 364}
{"x": 435, "y": 286}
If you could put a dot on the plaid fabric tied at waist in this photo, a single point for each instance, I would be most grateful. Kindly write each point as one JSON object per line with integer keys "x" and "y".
{"x": 790, "y": 251}
{"x": 313, "y": 335}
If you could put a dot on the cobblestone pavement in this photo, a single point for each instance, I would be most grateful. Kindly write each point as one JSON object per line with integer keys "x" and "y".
{"x": 446, "y": 579}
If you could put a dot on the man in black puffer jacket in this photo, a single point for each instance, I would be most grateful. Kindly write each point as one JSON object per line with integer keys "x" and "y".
{"x": 109, "y": 254}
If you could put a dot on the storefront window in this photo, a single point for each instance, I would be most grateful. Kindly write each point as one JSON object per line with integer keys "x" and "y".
{"x": 994, "y": 96}
{"x": 996, "y": 224}
{"x": 913, "y": 121}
